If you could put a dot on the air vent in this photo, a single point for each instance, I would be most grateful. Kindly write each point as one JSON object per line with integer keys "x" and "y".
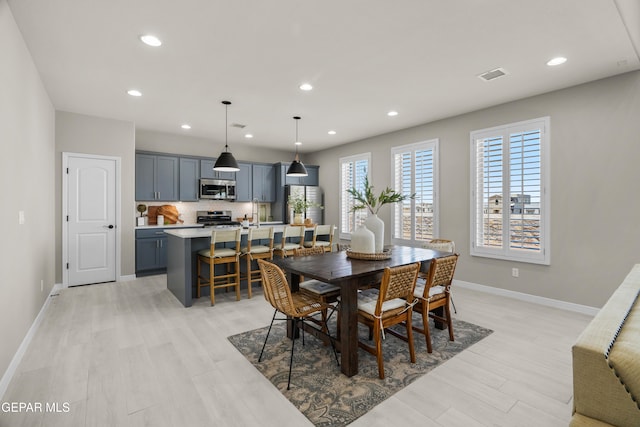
{"x": 493, "y": 74}
{"x": 238, "y": 125}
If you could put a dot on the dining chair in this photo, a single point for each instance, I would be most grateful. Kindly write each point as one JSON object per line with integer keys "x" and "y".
{"x": 292, "y": 237}
{"x": 434, "y": 293}
{"x": 256, "y": 249}
{"x": 390, "y": 305}
{"x": 228, "y": 256}
{"x": 325, "y": 232}
{"x": 327, "y": 293}
{"x": 297, "y": 306}
{"x": 444, "y": 245}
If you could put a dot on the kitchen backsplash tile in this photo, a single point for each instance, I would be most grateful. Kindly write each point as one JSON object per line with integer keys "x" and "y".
{"x": 188, "y": 210}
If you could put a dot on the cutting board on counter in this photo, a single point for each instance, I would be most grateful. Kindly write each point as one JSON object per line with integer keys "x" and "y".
{"x": 170, "y": 213}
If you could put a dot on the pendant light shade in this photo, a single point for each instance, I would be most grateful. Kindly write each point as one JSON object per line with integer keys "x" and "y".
{"x": 297, "y": 168}
{"x": 226, "y": 162}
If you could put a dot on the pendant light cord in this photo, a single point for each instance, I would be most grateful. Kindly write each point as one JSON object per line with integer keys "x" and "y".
{"x": 226, "y": 127}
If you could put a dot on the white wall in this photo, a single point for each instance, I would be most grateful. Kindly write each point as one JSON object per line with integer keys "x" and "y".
{"x": 26, "y": 171}
{"x": 188, "y": 145}
{"x": 595, "y": 150}
{"x": 78, "y": 133}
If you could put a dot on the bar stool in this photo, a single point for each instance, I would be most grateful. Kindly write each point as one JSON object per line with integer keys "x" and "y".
{"x": 325, "y": 243}
{"x": 296, "y": 234}
{"x": 254, "y": 251}
{"x": 221, "y": 255}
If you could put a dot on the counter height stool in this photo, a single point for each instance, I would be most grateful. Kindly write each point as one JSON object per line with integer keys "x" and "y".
{"x": 292, "y": 237}
{"x": 256, "y": 250}
{"x": 326, "y": 241}
{"x": 213, "y": 256}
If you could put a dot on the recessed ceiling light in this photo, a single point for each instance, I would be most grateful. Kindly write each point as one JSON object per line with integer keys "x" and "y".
{"x": 556, "y": 61}
{"x": 298, "y": 143}
{"x": 392, "y": 113}
{"x": 306, "y": 86}
{"x": 150, "y": 40}
{"x": 134, "y": 92}
{"x": 248, "y": 136}
{"x": 332, "y": 132}
{"x": 185, "y": 126}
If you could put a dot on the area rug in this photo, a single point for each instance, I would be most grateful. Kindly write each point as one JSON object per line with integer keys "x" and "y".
{"x": 328, "y": 398}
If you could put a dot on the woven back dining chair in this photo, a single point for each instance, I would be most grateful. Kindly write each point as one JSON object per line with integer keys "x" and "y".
{"x": 297, "y": 306}
{"x": 388, "y": 306}
{"x": 435, "y": 293}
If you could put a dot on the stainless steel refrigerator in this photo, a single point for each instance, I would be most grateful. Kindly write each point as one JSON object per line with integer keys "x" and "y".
{"x": 311, "y": 193}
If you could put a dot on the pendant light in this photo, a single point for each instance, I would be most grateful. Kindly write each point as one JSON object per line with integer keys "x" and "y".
{"x": 297, "y": 168}
{"x": 226, "y": 162}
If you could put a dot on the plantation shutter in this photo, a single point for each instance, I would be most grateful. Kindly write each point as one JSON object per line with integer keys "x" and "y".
{"x": 510, "y": 203}
{"x": 352, "y": 173}
{"x": 414, "y": 171}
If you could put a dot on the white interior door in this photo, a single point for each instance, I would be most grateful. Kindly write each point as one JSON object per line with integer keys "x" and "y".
{"x": 91, "y": 222}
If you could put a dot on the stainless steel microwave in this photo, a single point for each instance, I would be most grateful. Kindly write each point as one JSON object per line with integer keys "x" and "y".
{"x": 217, "y": 189}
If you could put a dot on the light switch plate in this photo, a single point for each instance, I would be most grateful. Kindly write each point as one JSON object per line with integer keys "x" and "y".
{"x": 20, "y": 217}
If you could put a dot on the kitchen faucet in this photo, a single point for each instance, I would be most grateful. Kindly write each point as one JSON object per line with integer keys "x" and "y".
{"x": 256, "y": 211}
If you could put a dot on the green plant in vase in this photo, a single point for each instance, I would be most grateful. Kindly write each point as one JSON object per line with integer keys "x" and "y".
{"x": 299, "y": 205}
{"x": 366, "y": 199}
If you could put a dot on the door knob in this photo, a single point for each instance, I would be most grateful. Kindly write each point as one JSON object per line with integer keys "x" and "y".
{"x": 109, "y": 226}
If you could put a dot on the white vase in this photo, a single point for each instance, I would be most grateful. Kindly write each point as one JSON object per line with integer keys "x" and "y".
{"x": 376, "y": 225}
{"x": 297, "y": 218}
{"x": 363, "y": 240}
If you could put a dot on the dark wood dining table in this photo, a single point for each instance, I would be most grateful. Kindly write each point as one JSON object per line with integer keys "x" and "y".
{"x": 350, "y": 274}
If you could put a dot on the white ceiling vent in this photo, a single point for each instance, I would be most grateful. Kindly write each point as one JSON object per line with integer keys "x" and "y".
{"x": 237, "y": 125}
{"x": 493, "y": 74}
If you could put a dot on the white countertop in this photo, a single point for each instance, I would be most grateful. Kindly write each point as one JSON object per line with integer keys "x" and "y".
{"x": 191, "y": 233}
{"x": 177, "y": 226}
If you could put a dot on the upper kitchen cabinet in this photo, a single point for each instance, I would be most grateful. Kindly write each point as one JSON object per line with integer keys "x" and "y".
{"x": 264, "y": 183}
{"x": 244, "y": 182}
{"x": 156, "y": 177}
{"x": 311, "y": 179}
{"x": 189, "y": 174}
{"x": 206, "y": 170}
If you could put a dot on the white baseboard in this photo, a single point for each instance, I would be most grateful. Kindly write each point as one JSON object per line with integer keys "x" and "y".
{"x": 17, "y": 358}
{"x": 127, "y": 278}
{"x": 563, "y": 305}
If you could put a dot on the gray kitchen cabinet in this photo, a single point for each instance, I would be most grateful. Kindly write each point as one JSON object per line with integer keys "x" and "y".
{"x": 264, "y": 183}
{"x": 156, "y": 177}
{"x": 244, "y": 182}
{"x": 313, "y": 177}
{"x": 206, "y": 170}
{"x": 188, "y": 184}
{"x": 151, "y": 251}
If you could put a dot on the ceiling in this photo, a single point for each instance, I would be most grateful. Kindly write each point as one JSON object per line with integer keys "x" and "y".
{"x": 363, "y": 58}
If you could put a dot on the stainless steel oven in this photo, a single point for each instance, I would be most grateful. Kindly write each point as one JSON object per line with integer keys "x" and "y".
{"x": 217, "y": 189}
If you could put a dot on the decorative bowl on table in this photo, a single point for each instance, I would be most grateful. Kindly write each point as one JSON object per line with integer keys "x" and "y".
{"x": 375, "y": 256}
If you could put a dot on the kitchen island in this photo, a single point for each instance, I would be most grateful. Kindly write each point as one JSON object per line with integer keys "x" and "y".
{"x": 183, "y": 247}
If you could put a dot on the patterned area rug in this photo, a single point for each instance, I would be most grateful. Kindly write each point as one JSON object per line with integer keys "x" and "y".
{"x": 328, "y": 398}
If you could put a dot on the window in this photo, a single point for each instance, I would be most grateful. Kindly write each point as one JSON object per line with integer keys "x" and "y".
{"x": 353, "y": 169}
{"x": 510, "y": 192}
{"x": 415, "y": 170}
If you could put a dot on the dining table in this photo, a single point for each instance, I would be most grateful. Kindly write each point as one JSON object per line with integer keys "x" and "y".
{"x": 350, "y": 274}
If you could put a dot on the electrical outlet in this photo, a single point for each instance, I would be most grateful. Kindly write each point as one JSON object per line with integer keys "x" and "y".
{"x": 515, "y": 272}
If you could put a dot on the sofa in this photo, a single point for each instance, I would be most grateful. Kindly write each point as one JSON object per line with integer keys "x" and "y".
{"x": 606, "y": 361}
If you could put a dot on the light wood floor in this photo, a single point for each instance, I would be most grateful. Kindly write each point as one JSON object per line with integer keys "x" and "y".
{"x": 128, "y": 354}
